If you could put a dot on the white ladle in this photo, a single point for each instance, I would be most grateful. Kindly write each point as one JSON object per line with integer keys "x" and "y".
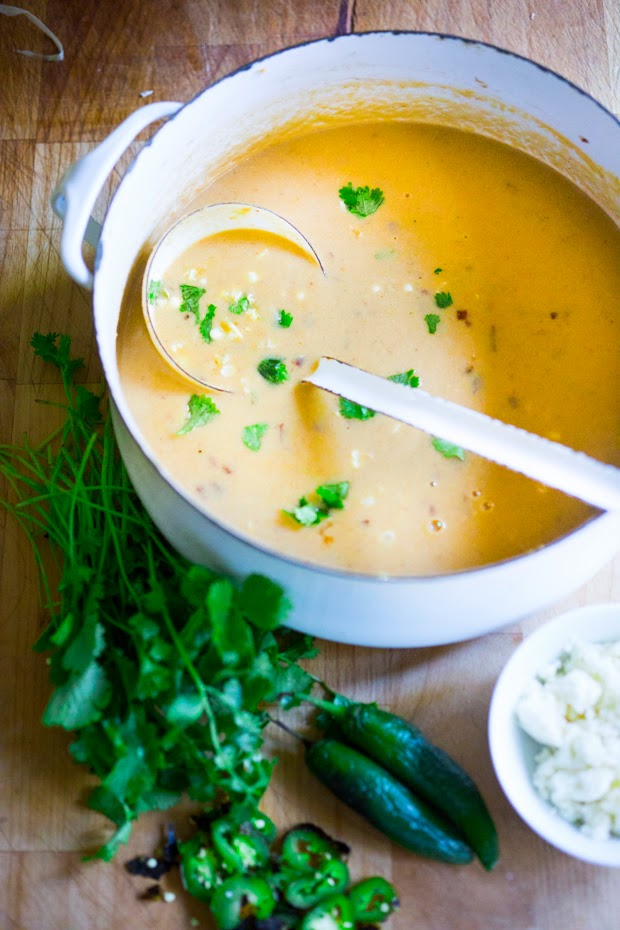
{"x": 549, "y": 462}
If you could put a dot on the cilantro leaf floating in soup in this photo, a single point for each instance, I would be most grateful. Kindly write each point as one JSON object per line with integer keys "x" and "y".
{"x": 201, "y": 410}
{"x": 273, "y": 369}
{"x": 240, "y": 305}
{"x": 332, "y": 497}
{"x": 432, "y": 321}
{"x": 207, "y": 322}
{"x": 253, "y": 435}
{"x": 448, "y": 449}
{"x": 191, "y": 298}
{"x": 443, "y": 299}
{"x": 352, "y": 411}
{"x": 155, "y": 291}
{"x": 399, "y": 268}
{"x": 408, "y": 378}
{"x": 362, "y": 201}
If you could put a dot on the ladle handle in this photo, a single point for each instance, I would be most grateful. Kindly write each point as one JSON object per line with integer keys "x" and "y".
{"x": 548, "y": 462}
{"x": 74, "y": 196}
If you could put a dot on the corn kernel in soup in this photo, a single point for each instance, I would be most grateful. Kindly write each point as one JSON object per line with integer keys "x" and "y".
{"x": 476, "y": 271}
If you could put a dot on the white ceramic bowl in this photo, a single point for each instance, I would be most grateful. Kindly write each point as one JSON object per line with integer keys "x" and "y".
{"x": 432, "y": 78}
{"x": 513, "y": 751}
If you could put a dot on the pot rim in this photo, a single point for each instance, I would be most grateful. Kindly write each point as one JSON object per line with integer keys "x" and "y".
{"x": 601, "y": 519}
{"x": 351, "y": 36}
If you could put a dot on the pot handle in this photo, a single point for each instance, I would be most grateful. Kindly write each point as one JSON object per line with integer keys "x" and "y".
{"x": 75, "y": 194}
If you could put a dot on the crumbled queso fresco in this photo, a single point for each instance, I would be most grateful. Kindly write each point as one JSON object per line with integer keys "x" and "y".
{"x": 572, "y": 708}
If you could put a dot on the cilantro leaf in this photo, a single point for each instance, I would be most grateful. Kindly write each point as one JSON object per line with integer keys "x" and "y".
{"x": 79, "y": 702}
{"x": 443, "y": 299}
{"x": 206, "y": 322}
{"x": 186, "y": 708}
{"x": 56, "y": 350}
{"x": 155, "y": 291}
{"x": 240, "y": 305}
{"x": 274, "y": 370}
{"x": 201, "y": 410}
{"x": 362, "y": 201}
{"x": 109, "y": 850}
{"x": 88, "y": 406}
{"x": 352, "y": 411}
{"x": 437, "y": 270}
{"x": 252, "y": 435}
{"x": 264, "y": 602}
{"x": 333, "y": 495}
{"x": 408, "y": 378}
{"x": 448, "y": 449}
{"x": 432, "y": 320}
{"x": 191, "y": 296}
{"x": 285, "y": 319}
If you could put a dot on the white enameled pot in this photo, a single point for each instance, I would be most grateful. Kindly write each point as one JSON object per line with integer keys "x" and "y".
{"x": 435, "y": 78}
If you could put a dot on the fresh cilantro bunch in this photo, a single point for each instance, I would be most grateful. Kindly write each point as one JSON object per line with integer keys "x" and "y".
{"x": 160, "y": 667}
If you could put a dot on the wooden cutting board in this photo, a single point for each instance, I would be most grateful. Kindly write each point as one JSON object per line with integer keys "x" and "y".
{"x": 51, "y": 113}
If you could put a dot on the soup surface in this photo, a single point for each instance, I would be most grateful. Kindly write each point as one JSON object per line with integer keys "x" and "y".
{"x": 473, "y": 268}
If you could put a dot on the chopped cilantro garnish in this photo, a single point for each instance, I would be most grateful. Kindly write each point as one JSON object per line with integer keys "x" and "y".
{"x": 332, "y": 496}
{"x": 207, "y": 320}
{"x": 201, "y": 410}
{"x": 431, "y": 320}
{"x": 448, "y": 449}
{"x": 352, "y": 411}
{"x": 443, "y": 299}
{"x": 437, "y": 270}
{"x": 240, "y": 305}
{"x": 155, "y": 288}
{"x": 409, "y": 378}
{"x": 273, "y": 369}
{"x": 362, "y": 201}
{"x": 191, "y": 296}
{"x": 285, "y": 319}
{"x": 252, "y": 435}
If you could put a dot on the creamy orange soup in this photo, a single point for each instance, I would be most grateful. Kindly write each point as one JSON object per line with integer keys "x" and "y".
{"x": 485, "y": 273}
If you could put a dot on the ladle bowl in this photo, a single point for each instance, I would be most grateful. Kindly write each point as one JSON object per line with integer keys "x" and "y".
{"x": 212, "y": 220}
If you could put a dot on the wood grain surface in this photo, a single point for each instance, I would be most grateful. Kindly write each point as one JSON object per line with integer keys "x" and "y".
{"x": 50, "y": 113}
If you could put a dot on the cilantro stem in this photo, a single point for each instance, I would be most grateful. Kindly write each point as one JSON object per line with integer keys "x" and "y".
{"x": 189, "y": 665}
{"x": 81, "y": 470}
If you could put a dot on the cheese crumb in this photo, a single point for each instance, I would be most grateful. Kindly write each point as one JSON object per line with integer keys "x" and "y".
{"x": 572, "y": 708}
